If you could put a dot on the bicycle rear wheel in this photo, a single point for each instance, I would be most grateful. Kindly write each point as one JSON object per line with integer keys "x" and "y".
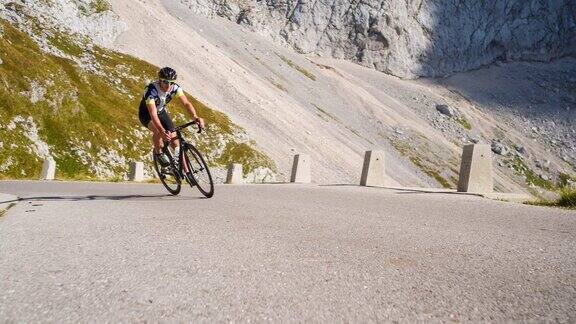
{"x": 199, "y": 174}
{"x": 168, "y": 176}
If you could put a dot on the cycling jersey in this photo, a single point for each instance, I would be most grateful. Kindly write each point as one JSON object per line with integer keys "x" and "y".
{"x": 160, "y": 98}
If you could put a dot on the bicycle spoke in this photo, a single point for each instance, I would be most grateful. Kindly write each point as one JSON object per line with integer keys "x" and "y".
{"x": 168, "y": 176}
{"x": 201, "y": 176}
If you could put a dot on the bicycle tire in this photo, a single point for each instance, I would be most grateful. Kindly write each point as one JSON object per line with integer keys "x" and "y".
{"x": 200, "y": 171}
{"x": 173, "y": 186}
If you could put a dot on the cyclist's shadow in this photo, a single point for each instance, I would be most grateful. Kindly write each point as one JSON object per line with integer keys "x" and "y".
{"x": 157, "y": 197}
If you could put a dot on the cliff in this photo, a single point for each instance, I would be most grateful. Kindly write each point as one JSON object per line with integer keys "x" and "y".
{"x": 410, "y": 39}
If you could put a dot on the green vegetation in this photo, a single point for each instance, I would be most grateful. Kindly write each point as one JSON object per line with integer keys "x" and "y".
{"x": 531, "y": 178}
{"x": 297, "y": 67}
{"x": 248, "y": 157}
{"x": 66, "y": 45}
{"x": 564, "y": 180}
{"x": 430, "y": 172}
{"x": 99, "y": 6}
{"x": 93, "y": 7}
{"x": 424, "y": 166}
{"x": 464, "y": 122}
{"x": 278, "y": 85}
{"x": 87, "y": 117}
{"x": 567, "y": 199}
{"x": 324, "y": 114}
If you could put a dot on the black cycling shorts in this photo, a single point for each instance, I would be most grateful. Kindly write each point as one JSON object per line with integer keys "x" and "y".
{"x": 165, "y": 119}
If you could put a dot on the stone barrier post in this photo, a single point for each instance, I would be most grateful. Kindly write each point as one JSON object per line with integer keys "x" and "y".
{"x": 301, "y": 169}
{"x": 48, "y": 170}
{"x": 136, "y": 172}
{"x": 234, "y": 175}
{"x": 373, "y": 170}
{"x": 476, "y": 169}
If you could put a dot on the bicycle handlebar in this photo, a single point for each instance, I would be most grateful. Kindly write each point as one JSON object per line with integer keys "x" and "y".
{"x": 187, "y": 125}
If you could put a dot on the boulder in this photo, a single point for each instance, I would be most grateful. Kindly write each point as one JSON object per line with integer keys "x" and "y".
{"x": 520, "y": 149}
{"x": 499, "y": 148}
{"x": 446, "y": 110}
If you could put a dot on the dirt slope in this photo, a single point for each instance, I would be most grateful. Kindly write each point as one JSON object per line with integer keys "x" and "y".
{"x": 331, "y": 109}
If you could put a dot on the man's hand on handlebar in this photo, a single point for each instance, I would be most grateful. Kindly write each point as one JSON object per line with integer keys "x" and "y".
{"x": 200, "y": 122}
{"x": 167, "y": 135}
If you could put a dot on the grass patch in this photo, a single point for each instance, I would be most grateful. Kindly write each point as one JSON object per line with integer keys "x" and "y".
{"x": 66, "y": 45}
{"x": 297, "y": 67}
{"x": 324, "y": 114}
{"x": 464, "y": 122}
{"x": 89, "y": 119}
{"x": 99, "y": 6}
{"x": 94, "y": 7}
{"x": 531, "y": 178}
{"x": 431, "y": 172}
{"x": 278, "y": 85}
{"x": 425, "y": 167}
{"x": 564, "y": 180}
{"x": 567, "y": 200}
{"x": 245, "y": 154}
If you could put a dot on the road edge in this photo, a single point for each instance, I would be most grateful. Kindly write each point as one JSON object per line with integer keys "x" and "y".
{"x": 6, "y": 201}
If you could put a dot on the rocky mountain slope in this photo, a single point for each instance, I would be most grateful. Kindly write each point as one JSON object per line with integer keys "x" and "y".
{"x": 67, "y": 99}
{"x": 411, "y": 38}
{"x": 335, "y": 110}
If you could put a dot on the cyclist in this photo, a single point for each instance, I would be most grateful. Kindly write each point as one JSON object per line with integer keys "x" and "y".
{"x": 154, "y": 115}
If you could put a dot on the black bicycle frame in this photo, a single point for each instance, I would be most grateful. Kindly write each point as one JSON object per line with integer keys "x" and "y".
{"x": 183, "y": 142}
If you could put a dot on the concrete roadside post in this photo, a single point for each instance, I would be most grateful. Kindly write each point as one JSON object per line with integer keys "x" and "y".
{"x": 301, "y": 172}
{"x": 476, "y": 169}
{"x": 234, "y": 175}
{"x": 136, "y": 172}
{"x": 48, "y": 170}
{"x": 373, "y": 170}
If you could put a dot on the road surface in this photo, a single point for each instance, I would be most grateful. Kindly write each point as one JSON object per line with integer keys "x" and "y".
{"x": 89, "y": 252}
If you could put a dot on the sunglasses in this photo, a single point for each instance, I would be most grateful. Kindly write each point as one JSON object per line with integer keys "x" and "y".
{"x": 169, "y": 82}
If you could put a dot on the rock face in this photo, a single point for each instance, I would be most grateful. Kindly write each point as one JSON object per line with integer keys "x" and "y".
{"x": 411, "y": 38}
{"x": 93, "y": 19}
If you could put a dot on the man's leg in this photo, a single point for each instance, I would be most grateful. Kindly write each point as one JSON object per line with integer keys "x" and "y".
{"x": 156, "y": 137}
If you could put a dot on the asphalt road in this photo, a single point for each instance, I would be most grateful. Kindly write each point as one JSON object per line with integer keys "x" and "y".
{"x": 87, "y": 252}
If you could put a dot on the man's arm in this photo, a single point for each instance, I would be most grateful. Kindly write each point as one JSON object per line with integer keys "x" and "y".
{"x": 190, "y": 108}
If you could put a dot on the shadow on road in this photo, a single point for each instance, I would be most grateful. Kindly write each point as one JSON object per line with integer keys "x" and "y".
{"x": 407, "y": 191}
{"x": 104, "y": 197}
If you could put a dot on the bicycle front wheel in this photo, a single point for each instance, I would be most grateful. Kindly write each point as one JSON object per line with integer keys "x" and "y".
{"x": 198, "y": 173}
{"x": 168, "y": 176}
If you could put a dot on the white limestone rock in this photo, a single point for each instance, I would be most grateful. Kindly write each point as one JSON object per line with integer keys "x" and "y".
{"x": 411, "y": 38}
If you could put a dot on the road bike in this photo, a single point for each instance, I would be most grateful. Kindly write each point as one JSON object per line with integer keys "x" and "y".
{"x": 191, "y": 166}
